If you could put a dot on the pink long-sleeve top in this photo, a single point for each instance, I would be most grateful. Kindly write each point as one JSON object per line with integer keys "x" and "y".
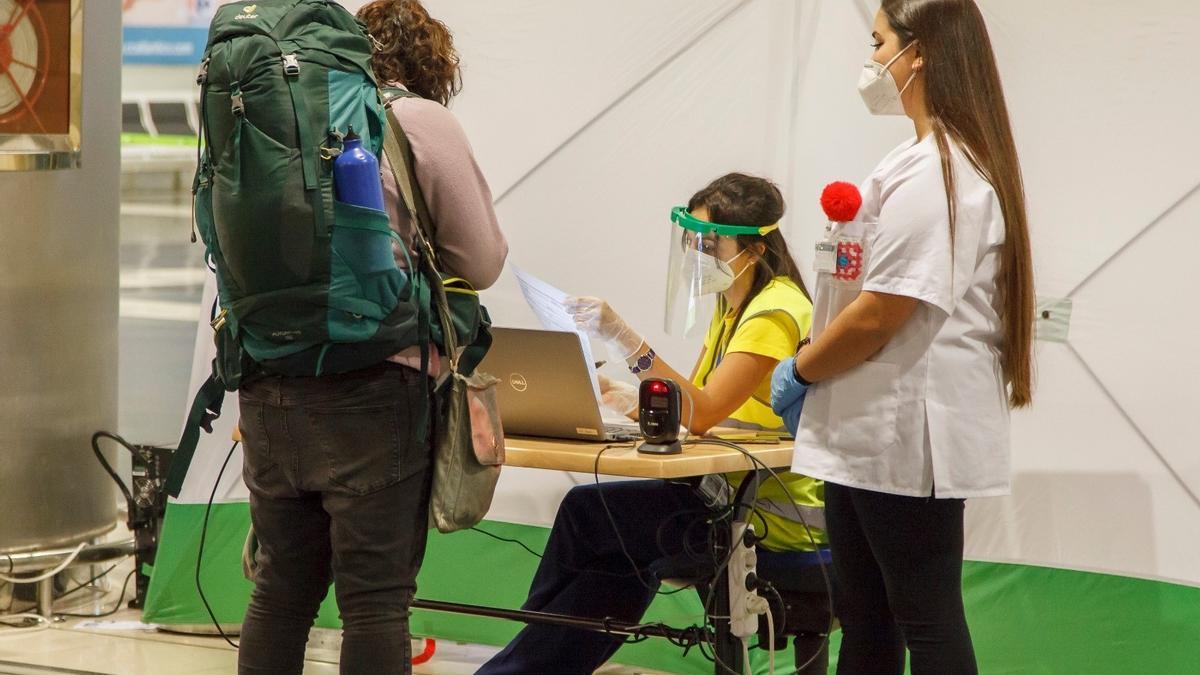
{"x": 467, "y": 239}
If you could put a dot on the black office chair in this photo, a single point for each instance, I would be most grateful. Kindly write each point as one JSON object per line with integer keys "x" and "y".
{"x": 797, "y": 577}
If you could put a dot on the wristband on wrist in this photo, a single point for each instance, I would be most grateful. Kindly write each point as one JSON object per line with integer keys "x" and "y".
{"x": 798, "y": 376}
{"x": 795, "y": 363}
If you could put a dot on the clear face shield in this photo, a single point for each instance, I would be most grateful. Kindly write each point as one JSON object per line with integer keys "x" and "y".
{"x": 699, "y": 269}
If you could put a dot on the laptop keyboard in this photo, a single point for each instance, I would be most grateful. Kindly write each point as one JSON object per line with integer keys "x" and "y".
{"x": 622, "y": 432}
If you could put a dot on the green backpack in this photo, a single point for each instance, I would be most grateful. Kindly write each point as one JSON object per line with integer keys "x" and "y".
{"x": 307, "y": 284}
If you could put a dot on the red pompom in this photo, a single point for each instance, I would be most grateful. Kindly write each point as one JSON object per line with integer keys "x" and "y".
{"x": 841, "y": 201}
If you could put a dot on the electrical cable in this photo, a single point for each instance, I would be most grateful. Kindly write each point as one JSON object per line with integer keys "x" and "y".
{"x": 561, "y": 564}
{"x": 687, "y": 431}
{"x": 104, "y": 462}
{"x": 116, "y": 608}
{"x": 770, "y": 643}
{"x": 47, "y": 575}
{"x": 782, "y": 608}
{"x": 89, "y": 582}
{"x": 717, "y": 579}
{"x": 42, "y": 624}
{"x": 807, "y": 529}
{"x": 613, "y": 521}
{"x": 507, "y": 540}
{"x": 200, "y": 551}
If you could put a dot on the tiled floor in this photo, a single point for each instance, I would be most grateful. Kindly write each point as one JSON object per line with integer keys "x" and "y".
{"x": 121, "y": 645}
{"x": 68, "y": 648}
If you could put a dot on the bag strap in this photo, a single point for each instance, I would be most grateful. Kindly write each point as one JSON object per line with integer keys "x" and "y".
{"x": 414, "y": 199}
{"x": 399, "y": 153}
{"x": 206, "y": 408}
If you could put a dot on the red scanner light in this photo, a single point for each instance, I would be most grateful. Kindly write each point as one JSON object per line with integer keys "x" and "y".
{"x": 657, "y": 387}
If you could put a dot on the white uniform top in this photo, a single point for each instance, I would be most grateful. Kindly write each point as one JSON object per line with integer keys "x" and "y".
{"x": 929, "y": 411}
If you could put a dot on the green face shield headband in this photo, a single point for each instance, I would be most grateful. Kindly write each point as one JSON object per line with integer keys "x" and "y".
{"x": 681, "y": 217}
{"x": 696, "y": 275}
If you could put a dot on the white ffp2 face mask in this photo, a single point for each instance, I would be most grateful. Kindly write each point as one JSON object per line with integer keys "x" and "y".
{"x": 878, "y": 88}
{"x": 711, "y": 274}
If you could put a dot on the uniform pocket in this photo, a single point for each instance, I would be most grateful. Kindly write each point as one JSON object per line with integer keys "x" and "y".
{"x": 863, "y": 407}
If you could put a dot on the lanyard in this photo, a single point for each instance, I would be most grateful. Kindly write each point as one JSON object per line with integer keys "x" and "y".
{"x": 719, "y": 345}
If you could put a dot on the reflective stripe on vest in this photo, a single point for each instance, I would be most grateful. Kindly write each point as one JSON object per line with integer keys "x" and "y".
{"x": 813, "y": 516}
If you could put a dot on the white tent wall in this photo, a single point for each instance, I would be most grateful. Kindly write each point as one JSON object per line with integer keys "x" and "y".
{"x": 1105, "y": 140}
{"x": 592, "y": 119}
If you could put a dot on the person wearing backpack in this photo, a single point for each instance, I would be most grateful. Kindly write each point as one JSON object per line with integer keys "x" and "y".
{"x": 338, "y": 455}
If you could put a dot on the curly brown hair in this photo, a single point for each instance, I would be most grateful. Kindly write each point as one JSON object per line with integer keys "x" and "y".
{"x": 413, "y": 49}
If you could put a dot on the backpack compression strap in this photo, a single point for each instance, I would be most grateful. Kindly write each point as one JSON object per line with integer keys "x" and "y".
{"x": 206, "y": 408}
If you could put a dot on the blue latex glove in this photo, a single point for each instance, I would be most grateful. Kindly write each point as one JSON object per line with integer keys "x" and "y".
{"x": 787, "y": 394}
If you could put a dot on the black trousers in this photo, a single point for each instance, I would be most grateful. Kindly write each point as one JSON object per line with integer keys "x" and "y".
{"x": 338, "y": 469}
{"x": 585, "y": 572}
{"x": 897, "y": 564}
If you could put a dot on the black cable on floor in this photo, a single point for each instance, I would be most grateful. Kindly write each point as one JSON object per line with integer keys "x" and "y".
{"x": 200, "y": 552}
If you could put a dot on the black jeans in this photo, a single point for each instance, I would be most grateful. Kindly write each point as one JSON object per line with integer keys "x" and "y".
{"x": 338, "y": 469}
{"x": 897, "y": 564}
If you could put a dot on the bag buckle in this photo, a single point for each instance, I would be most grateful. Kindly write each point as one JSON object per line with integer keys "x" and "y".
{"x": 202, "y": 74}
{"x": 237, "y": 105}
{"x": 291, "y": 65}
{"x": 219, "y": 322}
{"x": 332, "y": 149}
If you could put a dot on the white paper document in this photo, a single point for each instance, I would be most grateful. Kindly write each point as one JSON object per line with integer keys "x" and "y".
{"x": 546, "y": 301}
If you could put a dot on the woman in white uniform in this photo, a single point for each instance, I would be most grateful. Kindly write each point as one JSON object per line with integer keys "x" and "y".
{"x": 921, "y": 343}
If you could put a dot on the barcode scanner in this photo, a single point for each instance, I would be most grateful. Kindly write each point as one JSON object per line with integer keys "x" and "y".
{"x": 658, "y": 416}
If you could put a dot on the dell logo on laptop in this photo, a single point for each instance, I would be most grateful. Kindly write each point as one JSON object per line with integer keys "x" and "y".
{"x": 517, "y": 382}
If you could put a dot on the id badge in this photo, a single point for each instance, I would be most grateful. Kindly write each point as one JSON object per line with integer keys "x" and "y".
{"x": 826, "y": 257}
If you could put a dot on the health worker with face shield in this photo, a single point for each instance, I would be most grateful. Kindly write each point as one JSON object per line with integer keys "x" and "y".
{"x": 729, "y": 272}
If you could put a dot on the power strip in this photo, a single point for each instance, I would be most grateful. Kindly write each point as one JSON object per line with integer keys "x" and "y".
{"x": 744, "y": 602}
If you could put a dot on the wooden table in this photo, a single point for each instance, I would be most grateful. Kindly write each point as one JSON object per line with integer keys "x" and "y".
{"x": 622, "y": 459}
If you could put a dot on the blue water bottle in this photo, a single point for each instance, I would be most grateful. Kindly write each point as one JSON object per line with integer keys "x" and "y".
{"x": 356, "y": 174}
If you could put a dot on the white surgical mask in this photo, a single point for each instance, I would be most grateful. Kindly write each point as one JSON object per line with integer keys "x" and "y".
{"x": 878, "y": 88}
{"x": 711, "y": 274}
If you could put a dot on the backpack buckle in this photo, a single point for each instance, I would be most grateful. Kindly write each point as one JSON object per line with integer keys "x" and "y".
{"x": 202, "y": 74}
{"x": 237, "y": 105}
{"x": 291, "y": 65}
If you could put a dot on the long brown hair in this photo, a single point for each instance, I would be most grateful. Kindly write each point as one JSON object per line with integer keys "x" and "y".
{"x": 966, "y": 105}
{"x": 412, "y": 48}
{"x": 740, "y": 199}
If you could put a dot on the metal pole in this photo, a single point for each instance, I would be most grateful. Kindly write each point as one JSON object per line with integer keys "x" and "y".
{"x": 45, "y": 597}
{"x": 36, "y": 561}
{"x": 688, "y": 636}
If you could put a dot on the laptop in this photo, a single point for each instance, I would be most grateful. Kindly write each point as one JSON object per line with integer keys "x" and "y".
{"x": 546, "y": 388}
